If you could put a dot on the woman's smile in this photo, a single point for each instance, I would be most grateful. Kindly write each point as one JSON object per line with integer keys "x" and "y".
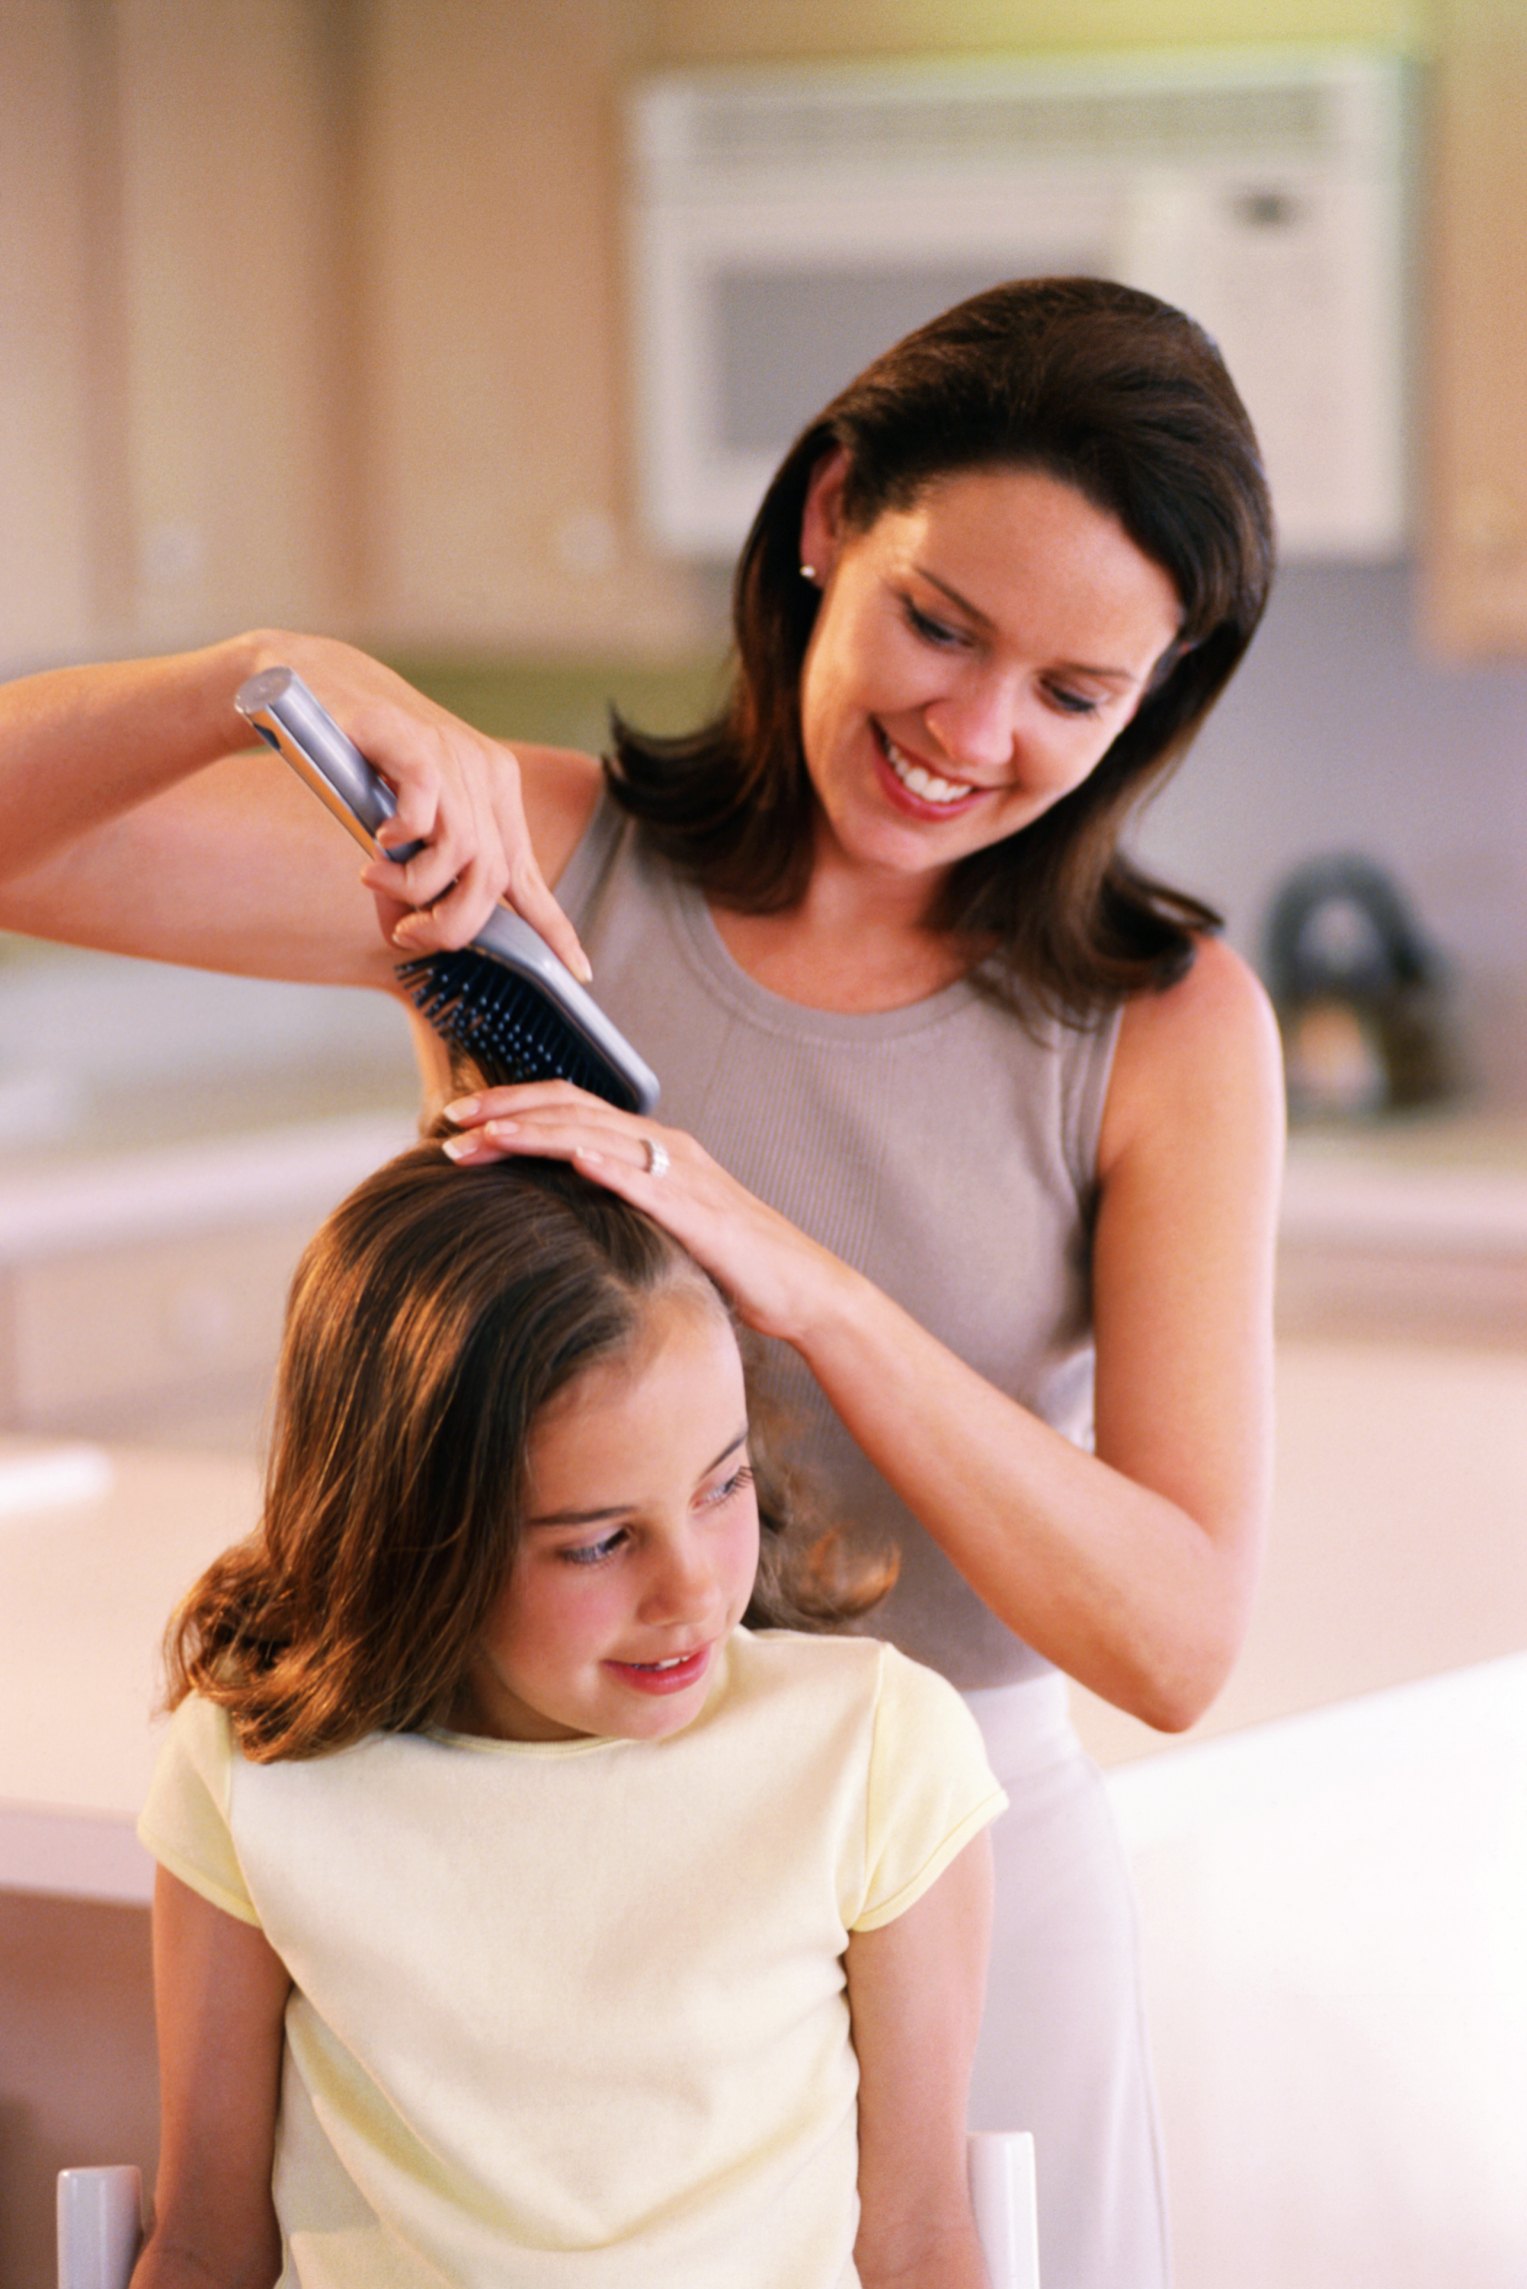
{"x": 917, "y": 787}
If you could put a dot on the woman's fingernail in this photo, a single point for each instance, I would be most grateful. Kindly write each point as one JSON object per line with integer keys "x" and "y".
{"x": 462, "y": 1108}
{"x": 457, "y": 1148}
{"x": 501, "y": 1129}
{"x": 584, "y": 970}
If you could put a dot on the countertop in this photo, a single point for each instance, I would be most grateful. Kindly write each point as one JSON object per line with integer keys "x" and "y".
{"x": 96, "y": 1546}
{"x": 1454, "y": 1179}
{"x": 167, "y": 1158}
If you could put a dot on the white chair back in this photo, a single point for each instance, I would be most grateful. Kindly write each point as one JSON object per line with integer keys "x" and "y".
{"x": 100, "y": 2223}
{"x": 1003, "y": 2196}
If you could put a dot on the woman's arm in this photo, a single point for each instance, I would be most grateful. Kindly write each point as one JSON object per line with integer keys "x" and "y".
{"x": 130, "y": 820}
{"x": 1132, "y": 1569}
{"x": 220, "y": 1997}
{"x": 915, "y": 1990}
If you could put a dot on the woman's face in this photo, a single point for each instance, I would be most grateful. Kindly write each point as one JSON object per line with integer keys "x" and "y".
{"x": 973, "y": 659}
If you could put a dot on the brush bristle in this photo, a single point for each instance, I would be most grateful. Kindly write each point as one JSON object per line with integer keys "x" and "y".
{"x": 510, "y": 1031}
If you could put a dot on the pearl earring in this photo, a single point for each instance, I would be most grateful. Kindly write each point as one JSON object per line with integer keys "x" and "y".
{"x": 809, "y": 572}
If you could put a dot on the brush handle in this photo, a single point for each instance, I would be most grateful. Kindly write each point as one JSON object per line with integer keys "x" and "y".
{"x": 278, "y": 705}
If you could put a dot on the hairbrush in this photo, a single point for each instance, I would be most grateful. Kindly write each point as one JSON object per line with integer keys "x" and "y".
{"x": 504, "y": 1000}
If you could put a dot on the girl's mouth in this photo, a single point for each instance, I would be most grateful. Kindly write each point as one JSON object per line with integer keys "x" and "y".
{"x": 913, "y": 788}
{"x": 669, "y": 1676}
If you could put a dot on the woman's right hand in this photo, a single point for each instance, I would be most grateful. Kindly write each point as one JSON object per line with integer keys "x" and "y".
{"x": 459, "y": 793}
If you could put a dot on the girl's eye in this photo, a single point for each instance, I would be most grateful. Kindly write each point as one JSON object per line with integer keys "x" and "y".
{"x": 742, "y": 1476}
{"x": 592, "y": 1553}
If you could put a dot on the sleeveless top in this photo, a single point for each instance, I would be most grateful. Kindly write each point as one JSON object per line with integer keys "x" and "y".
{"x": 944, "y": 1150}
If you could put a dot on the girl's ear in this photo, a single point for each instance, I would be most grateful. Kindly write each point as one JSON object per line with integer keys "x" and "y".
{"x": 821, "y": 519}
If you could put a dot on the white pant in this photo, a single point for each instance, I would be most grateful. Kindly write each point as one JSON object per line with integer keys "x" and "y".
{"x": 1062, "y": 2050}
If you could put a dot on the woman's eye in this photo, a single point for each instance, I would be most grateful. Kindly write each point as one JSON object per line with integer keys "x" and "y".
{"x": 1072, "y": 702}
{"x": 932, "y": 631}
{"x": 592, "y": 1553}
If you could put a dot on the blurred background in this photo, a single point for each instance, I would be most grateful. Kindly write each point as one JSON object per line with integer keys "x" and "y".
{"x": 467, "y": 329}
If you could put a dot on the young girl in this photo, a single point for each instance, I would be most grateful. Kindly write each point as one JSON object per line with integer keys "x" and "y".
{"x": 526, "y": 1913}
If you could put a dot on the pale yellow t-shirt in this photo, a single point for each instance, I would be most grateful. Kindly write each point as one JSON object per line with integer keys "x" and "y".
{"x": 573, "y": 2012}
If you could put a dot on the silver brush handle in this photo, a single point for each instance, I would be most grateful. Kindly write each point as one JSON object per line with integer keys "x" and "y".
{"x": 278, "y": 705}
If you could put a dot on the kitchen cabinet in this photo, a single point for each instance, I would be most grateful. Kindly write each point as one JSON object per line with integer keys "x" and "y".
{"x": 319, "y": 312}
{"x": 176, "y": 436}
{"x": 48, "y": 404}
{"x": 493, "y": 335}
{"x": 142, "y": 1293}
{"x": 1475, "y": 531}
{"x": 317, "y": 315}
{"x": 1411, "y": 1231}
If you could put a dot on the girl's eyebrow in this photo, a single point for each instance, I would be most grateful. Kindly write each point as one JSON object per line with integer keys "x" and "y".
{"x": 974, "y": 612}
{"x": 622, "y": 1509}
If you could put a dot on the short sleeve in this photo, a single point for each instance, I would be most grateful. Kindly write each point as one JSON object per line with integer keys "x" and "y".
{"x": 185, "y": 1823}
{"x": 930, "y": 1789}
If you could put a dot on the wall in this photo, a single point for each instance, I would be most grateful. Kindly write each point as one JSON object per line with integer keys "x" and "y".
{"x": 1339, "y": 735}
{"x": 712, "y": 31}
{"x": 78, "y": 2082}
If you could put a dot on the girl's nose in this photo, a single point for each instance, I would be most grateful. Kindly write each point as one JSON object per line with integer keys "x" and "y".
{"x": 681, "y": 1586}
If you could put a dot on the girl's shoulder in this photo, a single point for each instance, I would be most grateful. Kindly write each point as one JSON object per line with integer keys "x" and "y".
{"x": 905, "y": 1765}
{"x": 864, "y": 1674}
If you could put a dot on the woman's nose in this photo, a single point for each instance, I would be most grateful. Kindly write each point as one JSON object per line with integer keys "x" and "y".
{"x": 975, "y": 728}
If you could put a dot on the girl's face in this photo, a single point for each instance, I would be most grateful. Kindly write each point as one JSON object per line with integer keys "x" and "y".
{"x": 973, "y": 659}
{"x": 640, "y": 1543}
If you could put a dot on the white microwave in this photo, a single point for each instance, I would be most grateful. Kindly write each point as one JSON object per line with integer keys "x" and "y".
{"x": 786, "y": 226}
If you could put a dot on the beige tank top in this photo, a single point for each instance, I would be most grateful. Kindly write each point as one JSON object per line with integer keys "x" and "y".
{"x": 943, "y": 1149}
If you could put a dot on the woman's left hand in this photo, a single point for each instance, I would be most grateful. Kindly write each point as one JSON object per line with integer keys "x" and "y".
{"x": 776, "y": 1276}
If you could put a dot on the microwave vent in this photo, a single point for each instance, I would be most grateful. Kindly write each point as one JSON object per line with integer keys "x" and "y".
{"x": 723, "y": 133}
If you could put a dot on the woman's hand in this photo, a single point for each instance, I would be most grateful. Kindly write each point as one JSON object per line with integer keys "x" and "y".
{"x": 776, "y": 1277}
{"x": 458, "y": 792}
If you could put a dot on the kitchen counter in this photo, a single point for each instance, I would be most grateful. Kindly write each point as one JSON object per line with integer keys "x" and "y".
{"x": 96, "y": 1546}
{"x": 1410, "y": 1229}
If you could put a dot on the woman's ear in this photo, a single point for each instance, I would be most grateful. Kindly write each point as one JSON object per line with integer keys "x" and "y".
{"x": 821, "y": 519}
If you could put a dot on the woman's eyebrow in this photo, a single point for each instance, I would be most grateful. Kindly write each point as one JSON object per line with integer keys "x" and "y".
{"x": 974, "y": 612}
{"x": 623, "y": 1509}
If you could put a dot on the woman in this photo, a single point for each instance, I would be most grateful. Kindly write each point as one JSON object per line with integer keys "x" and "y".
{"x": 980, "y": 1124}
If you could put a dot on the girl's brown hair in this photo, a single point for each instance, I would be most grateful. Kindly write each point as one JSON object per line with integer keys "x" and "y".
{"x": 1110, "y": 391}
{"x": 431, "y": 1319}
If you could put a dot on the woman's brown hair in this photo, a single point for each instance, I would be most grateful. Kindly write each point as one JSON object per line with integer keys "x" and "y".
{"x": 1108, "y": 390}
{"x": 431, "y": 1320}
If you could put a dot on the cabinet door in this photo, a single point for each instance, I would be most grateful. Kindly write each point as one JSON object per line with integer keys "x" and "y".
{"x": 1476, "y": 542}
{"x": 50, "y": 495}
{"x": 178, "y": 438}
{"x": 236, "y": 418}
{"x": 145, "y": 1338}
{"x": 493, "y": 337}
